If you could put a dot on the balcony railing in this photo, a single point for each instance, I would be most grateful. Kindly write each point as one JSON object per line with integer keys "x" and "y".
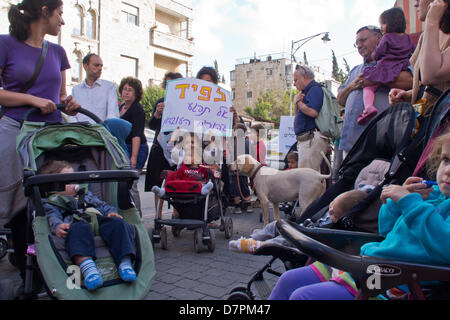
{"x": 172, "y": 42}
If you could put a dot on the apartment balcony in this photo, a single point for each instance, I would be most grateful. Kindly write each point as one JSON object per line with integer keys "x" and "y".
{"x": 180, "y": 8}
{"x": 172, "y": 42}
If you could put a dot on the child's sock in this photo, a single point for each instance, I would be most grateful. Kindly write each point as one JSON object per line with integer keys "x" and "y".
{"x": 207, "y": 188}
{"x": 126, "y": 271}
{"x": 92, "y": 278}
{"x": 160, "y": 192}
{"x": 245, "y": 245}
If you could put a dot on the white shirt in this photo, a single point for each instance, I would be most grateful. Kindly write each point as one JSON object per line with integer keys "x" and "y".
{"x": 100, "y": 99}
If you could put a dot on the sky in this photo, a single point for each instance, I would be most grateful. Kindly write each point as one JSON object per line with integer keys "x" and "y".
{"x": 227, "y": 30}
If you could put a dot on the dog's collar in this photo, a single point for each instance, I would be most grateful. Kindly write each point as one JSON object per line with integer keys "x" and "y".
{"x": 256, "y": 171}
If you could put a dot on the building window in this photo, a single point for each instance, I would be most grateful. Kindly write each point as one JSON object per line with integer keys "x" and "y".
{"x": 91, "y": 25}
{"x": 184, "y": 29}
{"x": 130, "y": 14}
{"x": 129, "y": 66}
{"x": 249, "y": 74}
{"x": 233, "y": 94}
{"x": 249, "y": 94}
{"x": 269, "y": 72}
{"x": 78, "y": 25}
{"x": 76, "y": 67}
{"x": 232, "y": 76}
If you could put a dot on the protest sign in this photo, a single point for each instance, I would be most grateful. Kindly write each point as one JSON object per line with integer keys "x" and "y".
{"x": 287, "y": 135}
{"x": 197, "y": 106}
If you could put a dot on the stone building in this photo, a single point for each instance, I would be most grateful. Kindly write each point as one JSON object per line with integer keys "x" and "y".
{"x": 255, "y": 76}
{"x": 251, "y": 77}
{"x": 140, "y": 38}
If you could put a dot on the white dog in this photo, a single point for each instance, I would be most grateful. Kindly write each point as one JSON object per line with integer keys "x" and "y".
{"x": 277, "y": 186}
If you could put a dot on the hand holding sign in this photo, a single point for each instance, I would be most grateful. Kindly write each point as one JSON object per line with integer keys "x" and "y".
{"x": 197, "y": 106}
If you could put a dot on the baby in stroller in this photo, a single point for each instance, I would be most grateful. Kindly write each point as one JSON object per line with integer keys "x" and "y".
{"x": 77, "y": 217}
{"x": 269, "y": 235}
{"x": 190, "y": 168}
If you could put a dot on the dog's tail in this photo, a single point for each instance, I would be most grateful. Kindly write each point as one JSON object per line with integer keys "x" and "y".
{"x": 326, "y": 176}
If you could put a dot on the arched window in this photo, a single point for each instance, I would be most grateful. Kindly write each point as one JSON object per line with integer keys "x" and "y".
{"x": 91, "y": 24}
{"x": 76, "y": 66}
{"x": 78, "y": 23}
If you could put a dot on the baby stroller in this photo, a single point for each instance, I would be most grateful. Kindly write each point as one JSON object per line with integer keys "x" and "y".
{"x": 99, "y": 161}
{"x": 388, "y": 137}
{"x": 195, "y": 210}
{"x": 340, "y": 248}
{"x": 332, "y": 247}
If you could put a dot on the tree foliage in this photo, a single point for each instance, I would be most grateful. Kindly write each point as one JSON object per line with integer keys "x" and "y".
{"x": 338, "y": 74}
{"x": 149, "y": 98}
{"x": 271, "y": 105}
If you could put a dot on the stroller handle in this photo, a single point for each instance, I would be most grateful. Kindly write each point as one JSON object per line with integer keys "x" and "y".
{"x": 62, "y": 108}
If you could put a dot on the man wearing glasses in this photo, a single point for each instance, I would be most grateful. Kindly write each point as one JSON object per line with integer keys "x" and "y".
{"x": 351, "y": 92}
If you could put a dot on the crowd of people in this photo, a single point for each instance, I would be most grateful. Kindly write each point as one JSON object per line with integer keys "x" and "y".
{"x": 393, "y": 70}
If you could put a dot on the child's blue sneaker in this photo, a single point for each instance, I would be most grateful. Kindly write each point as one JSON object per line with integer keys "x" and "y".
{"x": 93, "y": 281}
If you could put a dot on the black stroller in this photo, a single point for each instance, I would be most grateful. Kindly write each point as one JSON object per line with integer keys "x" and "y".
{"x": 196, "y": 211}
{"x": 388, "y": 137}
{"x": 333, "y": 248}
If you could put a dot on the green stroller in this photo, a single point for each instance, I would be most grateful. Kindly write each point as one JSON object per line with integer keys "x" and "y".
{"x": 99, "y": 162}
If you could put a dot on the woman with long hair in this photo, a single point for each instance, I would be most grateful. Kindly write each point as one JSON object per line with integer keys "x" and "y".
{"x": 20, "y": 52}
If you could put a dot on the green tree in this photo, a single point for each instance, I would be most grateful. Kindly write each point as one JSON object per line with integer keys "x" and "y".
{"x": 347, "y": 67}
{"x": 271, "y": 105}
{"x": 338, "y": 74}
{"x": 335, "y": 72}
{"x": 149, "y": 98}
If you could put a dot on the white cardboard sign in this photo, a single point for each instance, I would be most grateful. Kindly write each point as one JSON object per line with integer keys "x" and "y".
{"x": 197, "y": 106}
{"x": 287, "y": 135}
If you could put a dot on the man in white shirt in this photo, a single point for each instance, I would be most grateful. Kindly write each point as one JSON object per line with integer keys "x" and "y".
{"x": 94, "y": 94}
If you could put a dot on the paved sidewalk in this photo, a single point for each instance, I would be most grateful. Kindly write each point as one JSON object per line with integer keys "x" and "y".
{"x": 182, "y": 274}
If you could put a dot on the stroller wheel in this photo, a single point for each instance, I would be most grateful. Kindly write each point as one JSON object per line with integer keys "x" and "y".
{"x": 211, "y": 242}
{"x": 176, "y": 232}
{"x": 3, "y": 248}
{"x": 228, "y": 225}
{"x": 198, "y": 240}
{"x": 239, "y": 296}
{"x": 239, "y": 289}
{"x": 164, "y": 238}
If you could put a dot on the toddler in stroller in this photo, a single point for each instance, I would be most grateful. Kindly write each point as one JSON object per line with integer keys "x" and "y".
{"x": 193, "y": 189}
{"x": 414, "y": 221}
{"x": 70, "y": 219}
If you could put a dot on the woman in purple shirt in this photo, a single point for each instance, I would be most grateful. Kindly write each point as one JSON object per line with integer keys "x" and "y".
{"x": 30, "y": 21}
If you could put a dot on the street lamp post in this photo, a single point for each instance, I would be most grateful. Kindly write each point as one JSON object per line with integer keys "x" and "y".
{"x": 299, "y": 44}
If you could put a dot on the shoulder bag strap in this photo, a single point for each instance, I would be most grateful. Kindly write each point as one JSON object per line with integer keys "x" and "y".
{"x": 37, "y": 69}
{"x": 36, "y": 73}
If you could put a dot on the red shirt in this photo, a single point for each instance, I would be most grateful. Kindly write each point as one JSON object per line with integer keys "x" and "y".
{"x": 260, "y": 150}
{"x": 195, "y": 174}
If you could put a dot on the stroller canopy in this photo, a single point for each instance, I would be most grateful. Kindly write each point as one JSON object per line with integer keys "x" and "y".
{"x": 35, "y": 138}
